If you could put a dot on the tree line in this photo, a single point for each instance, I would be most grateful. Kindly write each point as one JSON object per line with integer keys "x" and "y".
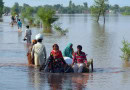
{"x": 59, "y": 8}
{"x": 47, "y": 13}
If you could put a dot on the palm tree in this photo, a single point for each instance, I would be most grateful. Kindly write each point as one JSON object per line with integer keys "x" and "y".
{"x": 48, "y": 17}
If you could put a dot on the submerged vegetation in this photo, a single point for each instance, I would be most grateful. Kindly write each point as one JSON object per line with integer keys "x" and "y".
{"x": 125, "y": 50}
{"x": 125, "y": 13}
{"x": 60, "y": 30}
{"x": 47, "y": 16}
{"x": 99, "y": 8}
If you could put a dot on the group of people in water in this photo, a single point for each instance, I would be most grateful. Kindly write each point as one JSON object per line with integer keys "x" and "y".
{"x": 56, "y": 62}
{"x": 15, "y": 20}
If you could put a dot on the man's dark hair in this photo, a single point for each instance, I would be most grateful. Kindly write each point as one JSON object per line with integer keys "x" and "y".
{"x": 27, "y": 26}
{"x": 79, "y": 47}
{"x": 39, "y": 40}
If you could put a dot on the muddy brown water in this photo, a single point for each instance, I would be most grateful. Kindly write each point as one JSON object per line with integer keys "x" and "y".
{"x": 100, "y": 42}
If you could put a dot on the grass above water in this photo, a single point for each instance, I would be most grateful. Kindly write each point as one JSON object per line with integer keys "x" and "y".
{"x": 125, "y": 50}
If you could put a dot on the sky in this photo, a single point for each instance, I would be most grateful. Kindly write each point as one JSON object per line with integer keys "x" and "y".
{"x": 10, "y": 3}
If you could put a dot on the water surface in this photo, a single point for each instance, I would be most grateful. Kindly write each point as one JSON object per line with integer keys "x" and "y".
{"x": 100, "y": 42}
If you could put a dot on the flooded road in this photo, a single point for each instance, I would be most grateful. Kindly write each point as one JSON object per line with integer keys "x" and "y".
{"x": 100, "y": 42}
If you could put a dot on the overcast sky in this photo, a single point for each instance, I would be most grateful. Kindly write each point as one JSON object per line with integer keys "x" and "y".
{"x": 10, "y": 3}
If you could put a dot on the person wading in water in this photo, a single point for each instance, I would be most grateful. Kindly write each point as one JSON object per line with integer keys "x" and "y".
{"x": 39, "y": 51}
{"x": 79, "y": 60}
{"x": 28, "y": 34}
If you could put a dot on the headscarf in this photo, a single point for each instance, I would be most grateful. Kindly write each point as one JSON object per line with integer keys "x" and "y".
{"x": 55, "y": 45}
{"x": 34, "y": 41}
{"x": 67, "y": 52}
{"x": 56, "y": 53}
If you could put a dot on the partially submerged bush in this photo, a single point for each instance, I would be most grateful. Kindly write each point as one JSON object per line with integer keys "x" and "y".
{"x": 125, "y": 50}
{"x": 48, "y": 17}
{"x": 60, "y": 30}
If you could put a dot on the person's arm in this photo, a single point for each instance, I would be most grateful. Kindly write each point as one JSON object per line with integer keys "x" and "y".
{"x": 74, "y": 59}
{"x": 25, "y": 34}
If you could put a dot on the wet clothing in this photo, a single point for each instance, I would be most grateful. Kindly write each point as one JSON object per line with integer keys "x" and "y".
{"x": 12, "y": 18}
{"x": 78, "y": 61}
{"x": 56, "y": 62}
{"x": 57, "y": 55}
{"x": 78, "y": 67}
{"x": 28, "y": 34}
{"x": 79, "y": 58}
{"x": 30, "y": 59}
{"x": 39, "y": 54}
{"x": 67, "y": 52}
{"x": 19, "y": 24}
{"x": 56, "y": 65}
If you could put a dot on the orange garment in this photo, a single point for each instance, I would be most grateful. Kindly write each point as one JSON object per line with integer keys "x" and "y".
{"x": 30, "y": 60}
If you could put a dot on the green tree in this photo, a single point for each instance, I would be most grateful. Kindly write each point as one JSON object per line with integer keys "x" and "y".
{"x": 1, "y": 7}
{"x": 48, "y": 17}
{"x": 99, "y": 8}
{"x": 116, "y": 8}
{"x": 6, "y": 10}
{"x": 85, "y": 7}
{"x": 85, "y": 4}
{"x": 15, "y": 9}
{"x": 71, "y": 8}
{"x": 27, "y": 12}
{"x": 125, "y": 10}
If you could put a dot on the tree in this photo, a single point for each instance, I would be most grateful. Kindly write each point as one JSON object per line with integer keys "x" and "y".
{"x": 15, "y": 9}
{"x": 47, "y": 15}
{"x": 70, "y": 4}
{"x": 85, "y": 5}
{"x": 99, "y": 8}
{"x": 1, "y": 7}
{"x": 125, "y": 10}
{"x": 6, "y": 10}
{"x": 116, "y": 8}
{"x": 27, "y": 12}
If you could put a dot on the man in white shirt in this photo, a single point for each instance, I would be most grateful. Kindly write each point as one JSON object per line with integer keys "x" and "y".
{"x": 39, "y": 51}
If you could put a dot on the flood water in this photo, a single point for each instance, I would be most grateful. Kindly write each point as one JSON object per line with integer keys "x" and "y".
{"x": 100, "y": 42}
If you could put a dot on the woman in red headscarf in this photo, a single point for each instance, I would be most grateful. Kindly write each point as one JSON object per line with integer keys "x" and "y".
{"x": 56, "y": 53}
{"x": 57, "y": 61}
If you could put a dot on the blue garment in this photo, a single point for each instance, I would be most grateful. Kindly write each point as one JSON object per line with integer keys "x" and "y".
{"x": 68, "y": 51}
{"x": 19, "y": 24}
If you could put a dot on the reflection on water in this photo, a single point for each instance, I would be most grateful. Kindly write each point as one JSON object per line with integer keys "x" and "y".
{"x": 71, "y": 19}
{"x": 57, "y": 81}
{"x": 126, "y": 64}
{"x": 101, "y": 42}
{"x": 19, "y": 37}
